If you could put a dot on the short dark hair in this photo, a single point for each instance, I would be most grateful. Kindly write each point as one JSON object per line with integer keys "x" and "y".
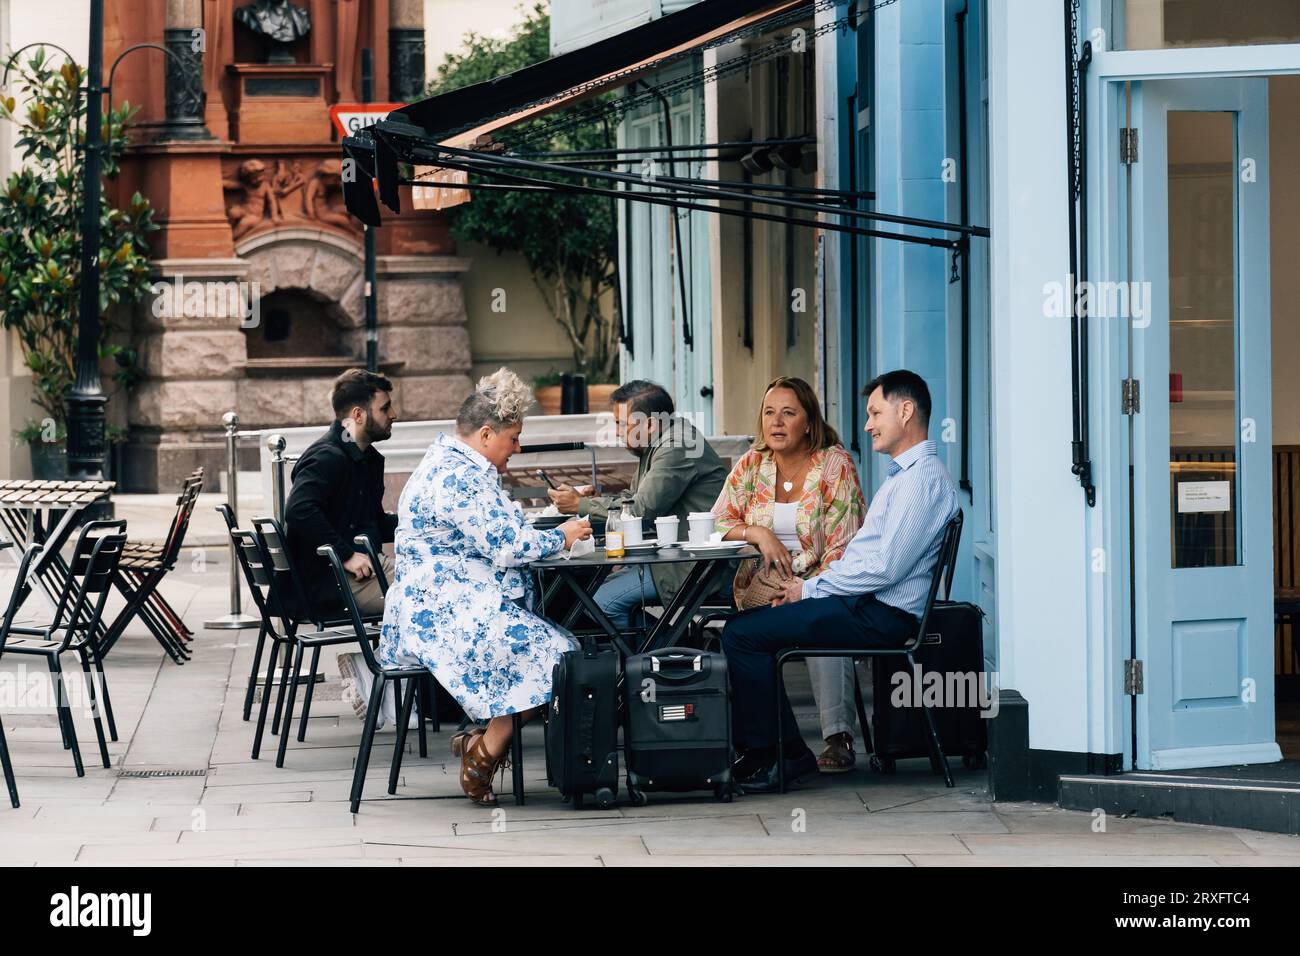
{"x": 903, "y": 384}
{"x": 643, "y": 396}
{"x": 356, "y": 387}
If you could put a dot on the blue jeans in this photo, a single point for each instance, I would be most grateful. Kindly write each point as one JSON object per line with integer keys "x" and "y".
{"x": 623, "y": 592}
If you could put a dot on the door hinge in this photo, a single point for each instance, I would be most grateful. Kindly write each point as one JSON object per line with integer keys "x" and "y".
{"x": 1130, "y": 396}
{"x": 1128, "y": 146}
{"x": 1132, "y": 677}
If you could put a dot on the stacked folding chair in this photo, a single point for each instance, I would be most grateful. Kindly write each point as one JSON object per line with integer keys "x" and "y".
{"x": 77, "y": 614}
{"x": 142, "y": 569}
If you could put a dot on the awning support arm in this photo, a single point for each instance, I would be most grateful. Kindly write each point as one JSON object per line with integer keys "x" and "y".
{"x": 472, "y": 155}
{"x": 658, "y": 200}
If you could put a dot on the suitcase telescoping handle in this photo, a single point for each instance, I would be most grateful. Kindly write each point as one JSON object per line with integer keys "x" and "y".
{"x": 676, "y": 664}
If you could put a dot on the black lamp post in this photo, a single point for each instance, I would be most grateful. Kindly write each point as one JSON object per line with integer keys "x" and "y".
{"x": 87, "y": 400}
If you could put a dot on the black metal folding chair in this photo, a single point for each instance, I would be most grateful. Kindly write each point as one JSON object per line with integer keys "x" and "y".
{"x": 15, "y": 599}
{"x": 255, "y": 590}
{"x": 289, "y": 603}
{"x": 79, "y": 610}
{"x": 142, "y": 569}
{"x": 417, "y": 675}
{"x": 944, "y": 568}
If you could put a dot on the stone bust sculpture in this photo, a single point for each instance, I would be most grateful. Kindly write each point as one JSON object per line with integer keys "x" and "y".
{"x": 280, "y": 21}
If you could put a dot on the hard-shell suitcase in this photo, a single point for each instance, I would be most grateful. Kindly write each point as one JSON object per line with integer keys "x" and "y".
{"x": 953, "y": 648}
{"x": 582, "y": 725}
{"x": 677, "y": 735}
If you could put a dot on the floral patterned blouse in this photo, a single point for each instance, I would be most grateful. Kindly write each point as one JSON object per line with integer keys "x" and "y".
{"x": 830, "y": 511}
{"x": 462, "y": 546}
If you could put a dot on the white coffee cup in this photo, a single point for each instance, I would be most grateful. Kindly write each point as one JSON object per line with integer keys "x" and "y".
{"x": 631, "y": 528}
{"x": 666, "y": 529}
{"x": 701, "y": 526}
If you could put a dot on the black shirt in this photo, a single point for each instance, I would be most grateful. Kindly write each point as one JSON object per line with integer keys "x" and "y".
{"x": 337, "y": 494}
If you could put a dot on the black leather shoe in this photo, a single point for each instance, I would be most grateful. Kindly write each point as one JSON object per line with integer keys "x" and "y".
{"x": 765, "y": 780}
{"x": 750, "y": 762}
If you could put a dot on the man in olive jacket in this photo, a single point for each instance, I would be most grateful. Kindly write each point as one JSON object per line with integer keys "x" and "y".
{"x": 677, "y": 473}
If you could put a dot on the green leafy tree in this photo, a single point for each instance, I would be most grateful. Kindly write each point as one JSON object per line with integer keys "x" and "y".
{"x": 40, "y": 246}
{"x": 569, "y": 240}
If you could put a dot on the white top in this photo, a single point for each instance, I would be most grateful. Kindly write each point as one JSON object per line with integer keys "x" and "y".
{"x": 783, "y": 525}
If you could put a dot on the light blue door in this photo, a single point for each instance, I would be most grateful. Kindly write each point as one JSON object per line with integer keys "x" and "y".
{"x": 1202, "y": 481}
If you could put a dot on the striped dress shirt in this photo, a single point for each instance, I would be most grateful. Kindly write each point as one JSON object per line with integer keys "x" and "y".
{"x": 893, "y": 553}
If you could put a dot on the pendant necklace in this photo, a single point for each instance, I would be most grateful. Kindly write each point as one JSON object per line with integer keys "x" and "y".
{"x": 789, "y": 485}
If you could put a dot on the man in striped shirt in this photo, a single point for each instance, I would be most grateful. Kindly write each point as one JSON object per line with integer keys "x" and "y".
{"x": 873, "y": 595}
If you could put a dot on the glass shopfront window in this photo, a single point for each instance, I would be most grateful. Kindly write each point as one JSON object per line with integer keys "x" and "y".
{"x": 1162, "y": 24}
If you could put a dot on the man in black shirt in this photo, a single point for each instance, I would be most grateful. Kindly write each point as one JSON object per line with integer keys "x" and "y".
{"x": 338, "y": 492}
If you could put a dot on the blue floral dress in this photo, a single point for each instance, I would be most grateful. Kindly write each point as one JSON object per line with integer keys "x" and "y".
{"x": 462, "y": 545}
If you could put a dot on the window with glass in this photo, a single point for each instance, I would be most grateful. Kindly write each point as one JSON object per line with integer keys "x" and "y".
{"x": 1161, "y": 24}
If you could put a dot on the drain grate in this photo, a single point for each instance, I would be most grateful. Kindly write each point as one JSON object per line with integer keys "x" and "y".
{"x": 162, "y": 773}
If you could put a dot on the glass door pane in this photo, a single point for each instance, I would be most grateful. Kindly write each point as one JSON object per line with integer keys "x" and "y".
{"x": 1203, "y": 339}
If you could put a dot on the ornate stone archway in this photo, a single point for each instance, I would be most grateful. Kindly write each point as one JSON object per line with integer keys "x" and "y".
{"x": 196, "y": 364}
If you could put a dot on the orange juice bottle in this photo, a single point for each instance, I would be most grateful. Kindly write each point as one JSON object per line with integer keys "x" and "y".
{"x": 613, "y": 537}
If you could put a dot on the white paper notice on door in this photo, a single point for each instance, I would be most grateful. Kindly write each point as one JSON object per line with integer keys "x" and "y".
{"x": 1202, "y": 496}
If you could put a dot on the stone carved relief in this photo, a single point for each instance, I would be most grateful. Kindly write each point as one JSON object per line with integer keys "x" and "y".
{"x": 259, "y": 201}
{"x": 289, "y": 194}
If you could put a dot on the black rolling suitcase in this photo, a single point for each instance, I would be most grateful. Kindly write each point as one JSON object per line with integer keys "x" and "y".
{"x": 953, "y": 645}
{"x": 677, "y": 736}
{"x": 582, "y": 725}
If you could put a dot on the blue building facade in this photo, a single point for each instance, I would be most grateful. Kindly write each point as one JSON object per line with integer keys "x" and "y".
{"x": 1131, "y": 626}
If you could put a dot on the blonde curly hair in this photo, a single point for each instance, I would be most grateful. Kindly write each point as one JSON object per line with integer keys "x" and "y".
{"x": 500, "y": 401}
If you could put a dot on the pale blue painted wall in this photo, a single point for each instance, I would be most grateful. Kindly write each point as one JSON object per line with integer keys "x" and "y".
{"x": 910, "y": 282}
{"x": 1041, "y": 550}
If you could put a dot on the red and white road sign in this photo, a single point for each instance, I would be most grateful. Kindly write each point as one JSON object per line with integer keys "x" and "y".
{"x": 348, "y": 118}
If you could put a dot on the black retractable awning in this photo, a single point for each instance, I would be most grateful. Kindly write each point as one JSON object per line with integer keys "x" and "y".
{"x": 446, "y": 137}
{"x": 594, "y": 69}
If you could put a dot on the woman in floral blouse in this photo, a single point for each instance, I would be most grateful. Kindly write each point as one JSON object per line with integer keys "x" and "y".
{"x": 795, "y": 496}
{"x": 458, "y": 602}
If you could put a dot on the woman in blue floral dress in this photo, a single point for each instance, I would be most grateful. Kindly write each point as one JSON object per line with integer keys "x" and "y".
{"x": 458, "y": 599}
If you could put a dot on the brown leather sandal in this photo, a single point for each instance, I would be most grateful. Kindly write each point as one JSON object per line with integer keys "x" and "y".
{"x": 477, "y": 767}
{"x": 461, "y": 739}
{"x": 838, "y": 757}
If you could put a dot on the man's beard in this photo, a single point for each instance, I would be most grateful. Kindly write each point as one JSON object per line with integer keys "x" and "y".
{"x": 374, "y": 433}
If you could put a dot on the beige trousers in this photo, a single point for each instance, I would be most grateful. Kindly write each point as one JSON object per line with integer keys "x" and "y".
{"x": 370, "y": 600}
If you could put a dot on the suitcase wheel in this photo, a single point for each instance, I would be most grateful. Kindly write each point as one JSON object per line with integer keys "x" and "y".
{"x": 637, "y": 797}
{"x": 722, "y": 792}
{"x": 882, "y": 764}
{"x": 604, "y": 798}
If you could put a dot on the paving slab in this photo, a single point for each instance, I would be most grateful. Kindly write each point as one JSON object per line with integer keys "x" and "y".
{"x": 241, "y": 812}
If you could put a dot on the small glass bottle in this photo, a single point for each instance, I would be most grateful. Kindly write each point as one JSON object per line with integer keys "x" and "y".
{"x": 613, "y": 536}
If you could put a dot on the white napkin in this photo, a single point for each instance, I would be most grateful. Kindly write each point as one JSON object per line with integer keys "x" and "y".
{"x": 550, "y": 511}
{"x": 582, "y": 547}
{"x": 715, "y": 538}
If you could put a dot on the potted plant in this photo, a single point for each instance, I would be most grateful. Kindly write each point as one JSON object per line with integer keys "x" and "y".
{"x": 570, "y": 241}
{"x": 40, "y": 247}
{"x": 547, "y": 391}
{"x": 48, "y": 442}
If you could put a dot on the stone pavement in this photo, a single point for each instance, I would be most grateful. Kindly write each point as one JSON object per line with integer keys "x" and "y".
{"x": 237, "y": 811}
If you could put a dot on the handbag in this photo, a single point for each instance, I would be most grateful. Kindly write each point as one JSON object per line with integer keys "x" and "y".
{"x": 767, "y": 583}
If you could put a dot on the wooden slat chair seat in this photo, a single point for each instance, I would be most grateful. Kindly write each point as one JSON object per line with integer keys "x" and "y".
{"x": 141, "y": 571}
